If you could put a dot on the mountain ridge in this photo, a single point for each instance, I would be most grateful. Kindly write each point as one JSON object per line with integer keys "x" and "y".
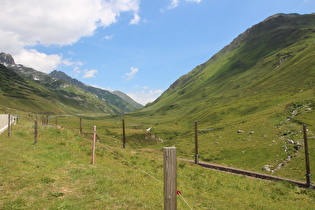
{"x": 257, "y": 56}
{"x": 112, "y": 103}
{"x": 105, "y": 95}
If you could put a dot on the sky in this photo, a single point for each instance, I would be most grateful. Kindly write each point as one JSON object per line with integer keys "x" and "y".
{"x": 139, "y": 47}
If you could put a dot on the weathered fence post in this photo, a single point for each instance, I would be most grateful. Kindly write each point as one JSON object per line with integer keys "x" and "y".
{"x": 93, "y": 145}
{"x": 80, "y": 125}
{"x": 307, "y": 160}
{"x": 9, "y": 125}
{"x": 56, "y": 122}
{"x": 170, "y": 178}
{"x": 35, "y": 131}
{"x": 124, "y": 133}
{"x": 196, "y": 143}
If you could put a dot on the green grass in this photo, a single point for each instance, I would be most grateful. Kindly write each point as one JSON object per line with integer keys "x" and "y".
{"x": 246, "y": 86}
{"x": 56, "y": 174}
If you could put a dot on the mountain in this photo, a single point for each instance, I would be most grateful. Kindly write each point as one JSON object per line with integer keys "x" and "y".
{"x": 6, "y": 59}
{"x": 125, "y": 103}
{"x": 66, "y": 88}
{"x": 129, "y": 100}
{"x": 269, "y": 65}
{"x": 29, "y": 90}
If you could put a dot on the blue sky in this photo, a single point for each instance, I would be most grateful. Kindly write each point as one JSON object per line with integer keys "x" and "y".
{"x": 139, "y": 47}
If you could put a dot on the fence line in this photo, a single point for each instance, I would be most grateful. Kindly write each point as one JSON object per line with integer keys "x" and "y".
{"x": 143, "y": 171}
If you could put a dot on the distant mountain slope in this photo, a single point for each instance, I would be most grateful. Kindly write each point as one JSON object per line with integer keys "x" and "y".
{"x": 26, "y": 89}
{"x": 126, "y": 104}
{"x": 128, "y": 99}
{"x": 269, "y": 64}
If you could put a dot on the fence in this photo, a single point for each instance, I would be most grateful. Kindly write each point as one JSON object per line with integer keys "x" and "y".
{"x": 169, "y": 187}
{"x": 196, "y": 144}
{"x": 6, "y": 120}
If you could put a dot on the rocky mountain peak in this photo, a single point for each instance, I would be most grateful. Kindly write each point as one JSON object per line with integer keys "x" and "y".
{"x": 6, "y": 59}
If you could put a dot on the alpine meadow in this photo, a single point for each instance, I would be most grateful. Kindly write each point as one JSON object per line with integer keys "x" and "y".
{"x": 250, "y": 101}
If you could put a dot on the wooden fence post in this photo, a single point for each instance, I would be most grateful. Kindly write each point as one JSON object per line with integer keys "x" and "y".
{"x": 170, "y": 178}
{"x": 93, "y": 145}
{"x": 80, "y": 125}
{"x": 196, "y": 143}
{"x": 307, "y": 160}
{"x": 124, "y": 133}
{"x": 9, "y": 125}
{"x": 35, "y": 131}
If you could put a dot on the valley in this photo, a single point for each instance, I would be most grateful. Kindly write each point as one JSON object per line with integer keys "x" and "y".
{"x": 250, "y": 101}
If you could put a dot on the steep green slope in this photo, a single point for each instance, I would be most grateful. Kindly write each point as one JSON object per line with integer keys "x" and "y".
{"x": 270, "y": 63}
{"x": 253, "y": 97}
{"x": 46, "y": 96}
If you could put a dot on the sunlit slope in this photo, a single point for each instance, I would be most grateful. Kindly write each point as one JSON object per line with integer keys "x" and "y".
{"x": 271, "y": 63}
{"x": 20, "y": 93}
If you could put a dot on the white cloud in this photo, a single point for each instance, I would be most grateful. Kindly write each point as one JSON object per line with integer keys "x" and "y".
{"x": 38, "y": 61}
{"x": 68, "y": 62}
{"x": 135, "y": 20}
{"x": 197, "y": 1}
{"x": 131, "y": 74}
{"x": 89, "y": 73}
{"x": 108, "y": 37}
{"x": 55, "y": 22}
{"x": 175, "y": 3}
{"x": 145, "y": 96}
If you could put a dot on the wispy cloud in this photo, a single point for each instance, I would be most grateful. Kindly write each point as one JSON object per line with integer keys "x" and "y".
{"x": 136, "y": 19}
{"x": 108, "y": 37}
{"x": 175, "y": 3}
{"x": 197, "y": 1}
{"x": 145, "y": 96}
{"x": 89, "y": 73}
{"x": 130, "y": 75}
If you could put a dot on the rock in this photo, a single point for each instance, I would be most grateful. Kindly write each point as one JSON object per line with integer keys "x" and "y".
{"x": 267, "y": 168}
{"x": 290, "y": 141}
{"x": 252, "y": 132}
{"x": 240, "y": 131}
{"x": 6, "y": 59}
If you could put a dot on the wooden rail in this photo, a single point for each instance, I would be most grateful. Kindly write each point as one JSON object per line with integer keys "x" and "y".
{"x": 249, "y": 173}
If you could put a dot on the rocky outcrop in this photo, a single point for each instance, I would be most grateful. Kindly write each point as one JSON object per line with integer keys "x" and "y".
{"x": 6, "y": 59}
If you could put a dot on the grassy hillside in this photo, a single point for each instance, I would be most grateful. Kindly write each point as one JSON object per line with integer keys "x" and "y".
{"x": 47, "y": 96}
{"x": 252, "y": 97}
{"x": 253, "y": 85}
{"x": 119, "y": 100}
{"x": 56, "y": 174}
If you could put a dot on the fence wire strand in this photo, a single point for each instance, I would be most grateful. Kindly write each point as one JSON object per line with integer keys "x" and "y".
{"x": 140, "y": 169}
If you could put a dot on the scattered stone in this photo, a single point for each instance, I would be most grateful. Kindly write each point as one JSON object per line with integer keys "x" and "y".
{"x": 252, "y": 132}
{"x": 267, "y": 168}
{"x": 290, "y": 141}
{"x": 240, "y": 131}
